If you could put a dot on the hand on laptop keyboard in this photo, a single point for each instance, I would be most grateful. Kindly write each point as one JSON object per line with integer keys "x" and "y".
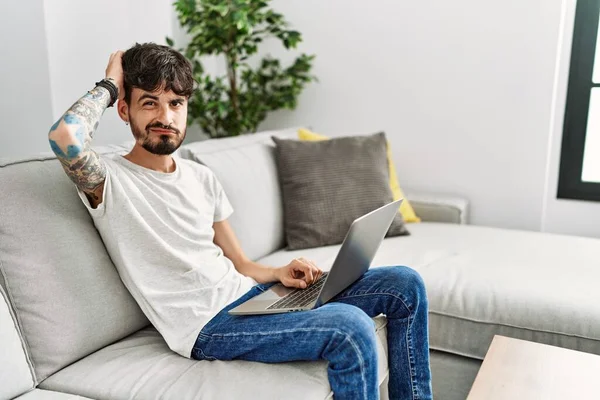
{"x": 299, "y": 297}
{"x": 299, "y": 273}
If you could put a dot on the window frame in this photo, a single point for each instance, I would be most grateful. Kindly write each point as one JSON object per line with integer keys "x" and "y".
{"x": 585, "y": 32}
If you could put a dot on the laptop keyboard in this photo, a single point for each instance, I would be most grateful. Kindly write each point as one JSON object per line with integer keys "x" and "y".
{"x": 300, "y": 297}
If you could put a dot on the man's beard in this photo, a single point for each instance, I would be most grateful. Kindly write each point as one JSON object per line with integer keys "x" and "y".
{"x": 166, "y": 145}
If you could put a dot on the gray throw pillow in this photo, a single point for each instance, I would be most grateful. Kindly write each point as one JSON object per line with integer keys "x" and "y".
{"x": 327, "y": 184}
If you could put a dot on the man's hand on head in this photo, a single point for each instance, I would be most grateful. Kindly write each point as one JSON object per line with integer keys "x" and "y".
{"x": 114, "y": 71}
{"x": 299, "y": 273}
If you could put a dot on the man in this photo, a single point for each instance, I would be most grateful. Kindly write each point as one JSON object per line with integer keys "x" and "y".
{"x": 164, "y": 223}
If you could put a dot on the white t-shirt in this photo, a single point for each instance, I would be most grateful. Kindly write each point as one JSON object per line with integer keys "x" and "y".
{"x": 157, "y": 228}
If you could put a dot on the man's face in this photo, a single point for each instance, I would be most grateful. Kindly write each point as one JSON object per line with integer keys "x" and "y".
{"x": 158, "y": 120}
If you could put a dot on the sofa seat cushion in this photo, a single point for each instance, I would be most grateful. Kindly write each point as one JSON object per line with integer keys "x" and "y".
{"x": 141, "y": 366}
{"x": 38, "y": 394}
{"x": 485, "y": 281}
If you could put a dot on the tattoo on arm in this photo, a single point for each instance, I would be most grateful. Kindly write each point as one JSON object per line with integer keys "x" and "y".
{"x": 88, "y": 172}
{"x": 70, "y": 139}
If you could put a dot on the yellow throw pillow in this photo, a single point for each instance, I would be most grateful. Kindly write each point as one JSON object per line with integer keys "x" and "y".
{"x": 405, "y": 208}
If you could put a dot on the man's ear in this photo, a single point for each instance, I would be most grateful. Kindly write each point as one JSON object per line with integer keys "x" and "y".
{"x": 123, "y": 110}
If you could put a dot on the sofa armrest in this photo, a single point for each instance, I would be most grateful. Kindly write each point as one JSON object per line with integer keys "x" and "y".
{"x": 440, "y": 208}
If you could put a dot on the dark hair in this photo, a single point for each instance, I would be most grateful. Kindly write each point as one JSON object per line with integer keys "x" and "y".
{"x": 149, "y": 66}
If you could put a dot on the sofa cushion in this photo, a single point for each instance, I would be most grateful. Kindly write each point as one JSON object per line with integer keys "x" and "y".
{"x": 327, "y": 184}
{"x": 38, "y": 394}
{"x": 408, "y": 214}
{"x": 484, "y": 281}
{"x": 527, "y": 285}
{"x": 64, "y": 289}
{"x": 142, "y": 367}
{"x": 16, "y": 375}
{"x": 245, "y": 166}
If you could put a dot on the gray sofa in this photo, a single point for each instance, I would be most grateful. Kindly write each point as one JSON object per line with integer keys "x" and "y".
{"x": 69, "y": 328}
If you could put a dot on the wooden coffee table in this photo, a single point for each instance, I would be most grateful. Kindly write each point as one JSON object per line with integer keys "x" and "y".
{"x": 518, "y": 369}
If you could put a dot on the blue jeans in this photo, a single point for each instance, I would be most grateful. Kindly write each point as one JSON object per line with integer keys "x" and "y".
{"x": 341, "y": 332}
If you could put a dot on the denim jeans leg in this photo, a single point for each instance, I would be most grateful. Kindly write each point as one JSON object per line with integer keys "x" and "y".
{"x": 399, "y": 293}
{"x": 339, "y": 333}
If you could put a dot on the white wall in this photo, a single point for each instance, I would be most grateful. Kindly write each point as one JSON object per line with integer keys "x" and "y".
{"x": 54, "y": 50}
{"x": 81, "y": 35}
{"x": 470, "y": 93}
{"x": 463, "y": 89}
{"x": 565, "y": 216}
{"x": 25, "y": 103}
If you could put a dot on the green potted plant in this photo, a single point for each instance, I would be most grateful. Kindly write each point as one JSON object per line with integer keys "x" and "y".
{"x": 237, "y": 102}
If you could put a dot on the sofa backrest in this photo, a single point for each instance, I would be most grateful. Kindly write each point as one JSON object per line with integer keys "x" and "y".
{"x": 65, "y": 292}
{"x": 246, "y": 167}
{"x": 16, "y": 375}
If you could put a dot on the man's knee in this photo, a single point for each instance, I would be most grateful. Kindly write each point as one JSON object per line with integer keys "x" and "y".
{"x": 411, "y": 276}
{"x": 408, "y": 282}
{"x": 352, "y": 322}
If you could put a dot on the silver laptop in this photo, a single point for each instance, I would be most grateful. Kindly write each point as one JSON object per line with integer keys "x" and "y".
{"x": 354, "y": 259}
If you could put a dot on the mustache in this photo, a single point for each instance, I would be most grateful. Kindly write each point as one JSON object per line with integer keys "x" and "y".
{"x": 162, "y": 126}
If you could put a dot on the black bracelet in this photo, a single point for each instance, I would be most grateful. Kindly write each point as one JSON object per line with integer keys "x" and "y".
{"x": 112, "y": 89}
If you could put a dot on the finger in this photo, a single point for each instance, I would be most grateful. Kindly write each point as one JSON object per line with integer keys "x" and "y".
{"x": 307, "y": 271}
{"x": 316, "y": 267}
{"x": 315, "y": 270}
{"x": 319, "y": 274}
{"x": 295, "y": 283}
{"x": 311, "y": 263}
{"x": 311, "y": 273}
{"x": 315, "y": 273}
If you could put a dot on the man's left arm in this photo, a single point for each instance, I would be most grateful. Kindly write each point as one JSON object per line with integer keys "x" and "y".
{"x": 299, "y": 273}
{"x": 225, "y": 238}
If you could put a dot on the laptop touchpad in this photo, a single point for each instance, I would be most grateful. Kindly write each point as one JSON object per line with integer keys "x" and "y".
{"x": 276, "y": 292}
